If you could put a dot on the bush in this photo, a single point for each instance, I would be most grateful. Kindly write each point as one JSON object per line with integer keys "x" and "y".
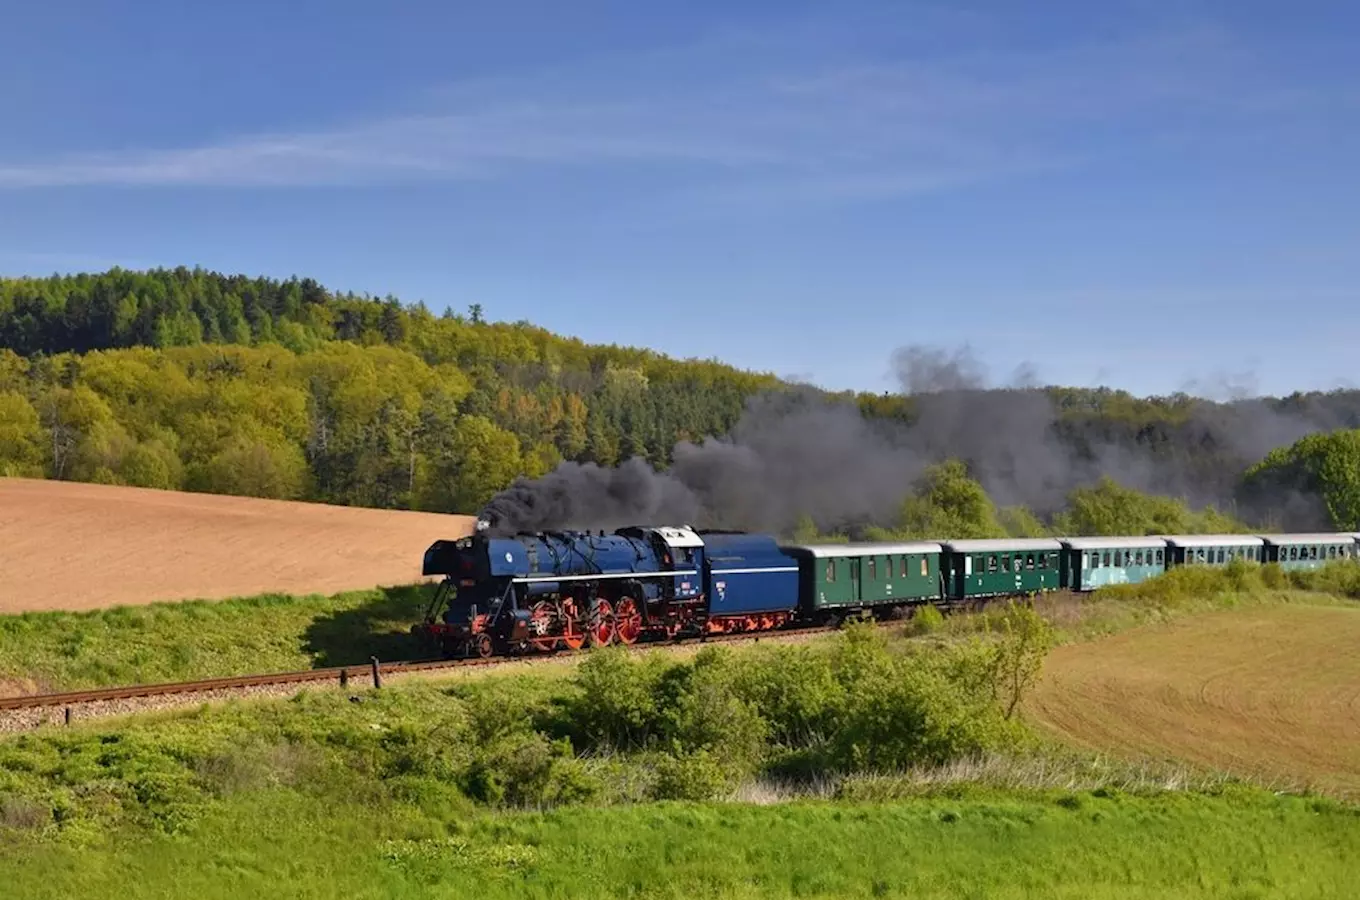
{"x": 925, "y": 619}
{"x": 696, "y": 776}
{"x": 1341, "y": 577}
{"x": 615, "y": 701}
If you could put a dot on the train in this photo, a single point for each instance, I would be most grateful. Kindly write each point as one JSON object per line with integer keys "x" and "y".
{"x": 544, "y": 592}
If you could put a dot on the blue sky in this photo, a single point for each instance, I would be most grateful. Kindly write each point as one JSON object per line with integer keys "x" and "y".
{"x": 1156, "y": 196}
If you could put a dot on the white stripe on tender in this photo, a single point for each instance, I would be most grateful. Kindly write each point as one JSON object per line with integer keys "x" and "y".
{"x": 533, "y": 578}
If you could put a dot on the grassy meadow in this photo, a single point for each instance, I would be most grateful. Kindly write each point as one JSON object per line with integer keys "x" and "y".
{"x": 283, "y": 843}
{"x": 929, "y": 758}
{"x": 181, "y": 641}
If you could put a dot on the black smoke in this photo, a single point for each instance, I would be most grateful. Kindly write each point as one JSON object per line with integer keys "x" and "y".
{"x": 801, "y": 452}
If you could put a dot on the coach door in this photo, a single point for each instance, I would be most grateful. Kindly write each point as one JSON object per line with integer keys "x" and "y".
{"x": 854, "y": 579}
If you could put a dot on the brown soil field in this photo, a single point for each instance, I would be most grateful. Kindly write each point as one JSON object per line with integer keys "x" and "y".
{"x": 1270, "y": 693}
{"x": 83, "y": 546}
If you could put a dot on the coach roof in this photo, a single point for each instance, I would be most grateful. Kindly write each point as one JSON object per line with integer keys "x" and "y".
{"x": 1285, "y": 540}
{"x": 1214, "y": 540}
{"x": 1114, "y": 543}
{"x": 834, "y": 551}
{"x": 1001, "y": 545}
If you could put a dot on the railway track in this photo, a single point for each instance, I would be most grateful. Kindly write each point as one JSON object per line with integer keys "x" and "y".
{"x": 372, "y": 672}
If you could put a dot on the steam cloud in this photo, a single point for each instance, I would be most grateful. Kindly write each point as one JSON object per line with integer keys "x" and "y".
{"x": 798, "y": 452}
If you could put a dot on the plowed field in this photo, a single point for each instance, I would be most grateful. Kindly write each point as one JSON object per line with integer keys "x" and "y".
{"x": 1273, "y": 693}
{"x": 82, "y": 546}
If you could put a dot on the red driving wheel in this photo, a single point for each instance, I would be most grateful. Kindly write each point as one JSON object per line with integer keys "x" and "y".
{"x": 541, "y": 624}
{"x": 572, "y": 635}
{"x": 628, "y": 623}
{"x": 601, "y": 629}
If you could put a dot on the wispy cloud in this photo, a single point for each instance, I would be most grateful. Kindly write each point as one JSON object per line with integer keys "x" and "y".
{"x": 746, "y": 125}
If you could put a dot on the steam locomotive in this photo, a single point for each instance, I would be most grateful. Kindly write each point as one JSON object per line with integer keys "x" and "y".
{"x": 547, "y": 591}
{"x": 542, "y": 592}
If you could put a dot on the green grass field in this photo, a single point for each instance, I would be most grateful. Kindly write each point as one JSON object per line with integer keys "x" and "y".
{"x": 283, "y": 844}
{"x": 182, "y": 641}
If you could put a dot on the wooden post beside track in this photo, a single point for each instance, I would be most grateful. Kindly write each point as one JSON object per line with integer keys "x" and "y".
{"x": 344, "y": 678}
{"x": 377, "y": 676}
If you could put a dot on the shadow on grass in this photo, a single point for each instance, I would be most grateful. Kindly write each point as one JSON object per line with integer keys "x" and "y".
{"x": 379, "y": 627}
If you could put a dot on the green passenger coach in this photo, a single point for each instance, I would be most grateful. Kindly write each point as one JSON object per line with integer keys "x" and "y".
{"x": 1213, "y": 549}
{"x": 989, "y": 568}
{"x": 1094, "y": 562}
{"x": 852, "y": 576}
{"x": 1308, "y": 551}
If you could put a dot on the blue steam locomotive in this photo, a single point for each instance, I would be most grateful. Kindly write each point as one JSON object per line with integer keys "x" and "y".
{"x": 569, "y": 589}
{"x": 572, "y": 589}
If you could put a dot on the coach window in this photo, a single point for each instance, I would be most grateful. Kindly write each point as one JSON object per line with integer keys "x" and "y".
{"x": 991, "y": 563}
{"x": 831, "y": 570}
{"x": 873, "y": 569}
{"x": 1293, "y": 553}
{"x": 1159, "y": 557}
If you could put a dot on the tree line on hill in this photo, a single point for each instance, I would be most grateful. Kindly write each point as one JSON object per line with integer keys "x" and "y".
{"x": 189, "y": 379}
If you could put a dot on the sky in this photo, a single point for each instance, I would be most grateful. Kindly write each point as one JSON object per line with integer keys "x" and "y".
{"x": 1147, "y": 195}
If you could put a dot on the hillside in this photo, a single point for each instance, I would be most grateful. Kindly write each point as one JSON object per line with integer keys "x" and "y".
{"x": 84, "y": 546}
{"x": 187, "y": 379}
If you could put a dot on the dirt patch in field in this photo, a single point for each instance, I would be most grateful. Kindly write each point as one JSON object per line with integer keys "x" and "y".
{"x": 1270, "y": 693}
{"x": 84, "y": 546}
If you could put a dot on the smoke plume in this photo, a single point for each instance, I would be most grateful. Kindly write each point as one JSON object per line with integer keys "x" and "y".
{"x": 799, "y": 452}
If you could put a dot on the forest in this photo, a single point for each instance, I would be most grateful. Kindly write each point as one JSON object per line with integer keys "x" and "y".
{"x": 194, "y": 380}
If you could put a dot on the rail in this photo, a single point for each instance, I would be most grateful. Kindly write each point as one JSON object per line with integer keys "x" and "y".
{"x": 373, "y": 670}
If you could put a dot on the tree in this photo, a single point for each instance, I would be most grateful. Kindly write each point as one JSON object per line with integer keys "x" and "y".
{"x": 1108, "y": 507}
{"x": 481, "y": 459}
{"x": 1018, "y": 655}
{"x": 21, "y": 437}
{"x": 1325, "y": 465}
{"x": 252, "y": 468}
{"x": 948, "y": 503}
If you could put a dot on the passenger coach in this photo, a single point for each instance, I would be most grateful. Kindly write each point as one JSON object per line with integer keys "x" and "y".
{"x": 1094, "y": 562}
{"x": 1308, "y": 551}
{"x": 838, "y": 578}
{"x": 977, "y": 569}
